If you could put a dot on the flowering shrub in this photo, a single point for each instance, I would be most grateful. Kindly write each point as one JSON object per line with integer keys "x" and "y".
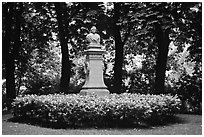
{"x": 75, "y": 109}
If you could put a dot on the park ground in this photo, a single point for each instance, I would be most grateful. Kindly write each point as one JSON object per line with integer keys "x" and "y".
{"x": 184, "y": 125}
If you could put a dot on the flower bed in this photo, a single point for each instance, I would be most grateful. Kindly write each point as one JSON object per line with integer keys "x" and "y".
{"x": 75, "y": 109}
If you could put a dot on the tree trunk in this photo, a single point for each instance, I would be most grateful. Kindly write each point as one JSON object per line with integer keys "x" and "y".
{"x": 9, "y": 60}
{"x": 10, "y": 81}
{"x": 17, "y": 40}
{"x": 11, "y": 49}
{"x": 65, "y": 70}
{"x": 118, "y": 51}
{"x": 163, "y": 41}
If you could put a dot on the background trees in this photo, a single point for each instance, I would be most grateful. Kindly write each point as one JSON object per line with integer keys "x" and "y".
{"x": 11, "y": 44}
{"x": 152, "y": 47}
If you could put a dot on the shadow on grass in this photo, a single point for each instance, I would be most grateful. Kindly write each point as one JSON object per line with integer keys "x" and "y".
{"x": 168, "y": 120}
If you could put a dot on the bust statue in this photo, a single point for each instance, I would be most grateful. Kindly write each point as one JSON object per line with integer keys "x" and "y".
{"x": 93, "y": 38}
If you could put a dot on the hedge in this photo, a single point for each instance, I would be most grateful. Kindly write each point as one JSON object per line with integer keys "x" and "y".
{"x": 75, "y": 109}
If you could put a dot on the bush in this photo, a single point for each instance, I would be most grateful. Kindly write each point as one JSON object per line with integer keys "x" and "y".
{"x": 190, "y": 93}
{"x": 93, "y": 110}
{"x": 188, "y": 87}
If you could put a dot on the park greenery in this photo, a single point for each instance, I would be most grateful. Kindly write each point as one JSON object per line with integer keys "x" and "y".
{"x": 151, "y": 48}
{"x": 92, "y": 110}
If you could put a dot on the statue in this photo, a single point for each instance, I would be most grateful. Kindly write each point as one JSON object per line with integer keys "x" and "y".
{"x": 94, "y": 82}
{"x": 93, "y": 38}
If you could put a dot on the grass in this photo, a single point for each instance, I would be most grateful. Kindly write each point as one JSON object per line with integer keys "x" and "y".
{"x": 181, "y": 124}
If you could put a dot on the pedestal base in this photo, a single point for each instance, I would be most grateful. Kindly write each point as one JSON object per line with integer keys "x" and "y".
{"x": 97, "y": 91}
{"x": 94, "y": 78}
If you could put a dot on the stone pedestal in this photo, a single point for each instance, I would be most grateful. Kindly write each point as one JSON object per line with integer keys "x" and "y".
{"x": 94, "y": 79}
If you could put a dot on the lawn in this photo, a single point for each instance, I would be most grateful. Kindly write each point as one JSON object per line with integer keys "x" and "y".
{"x": 183, "y": 125}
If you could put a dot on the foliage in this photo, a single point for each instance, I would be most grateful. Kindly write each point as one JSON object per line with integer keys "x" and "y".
{"x": 78, "y": 74}
{"x": 93, "y": 110}
{"x": 43, "y": 75}
{"x": 184, "y": 77}
{"x": 189, "y": 87}
{"x": 191, "y": 93}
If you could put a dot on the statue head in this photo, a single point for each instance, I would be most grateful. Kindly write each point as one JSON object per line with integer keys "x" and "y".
{"x": 93, "y": 37}
{"x": 93, "y": 29}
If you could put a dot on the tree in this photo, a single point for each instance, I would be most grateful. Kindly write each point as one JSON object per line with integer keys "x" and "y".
{"x": 11, "y": 43}
{"x": 65, "y": 14}
{"x": 37, "y": 27}
{"x": 65, "y": 72}
{"x": 121, "y": 10}
{"x": 163, "y": 41}
{"x": 118, "y": 50}
{"x": 154, "y": 29}
{"x": 163, "y": 35}
{"x": 158, "y": 25}
{"x": 188, "y": 16}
